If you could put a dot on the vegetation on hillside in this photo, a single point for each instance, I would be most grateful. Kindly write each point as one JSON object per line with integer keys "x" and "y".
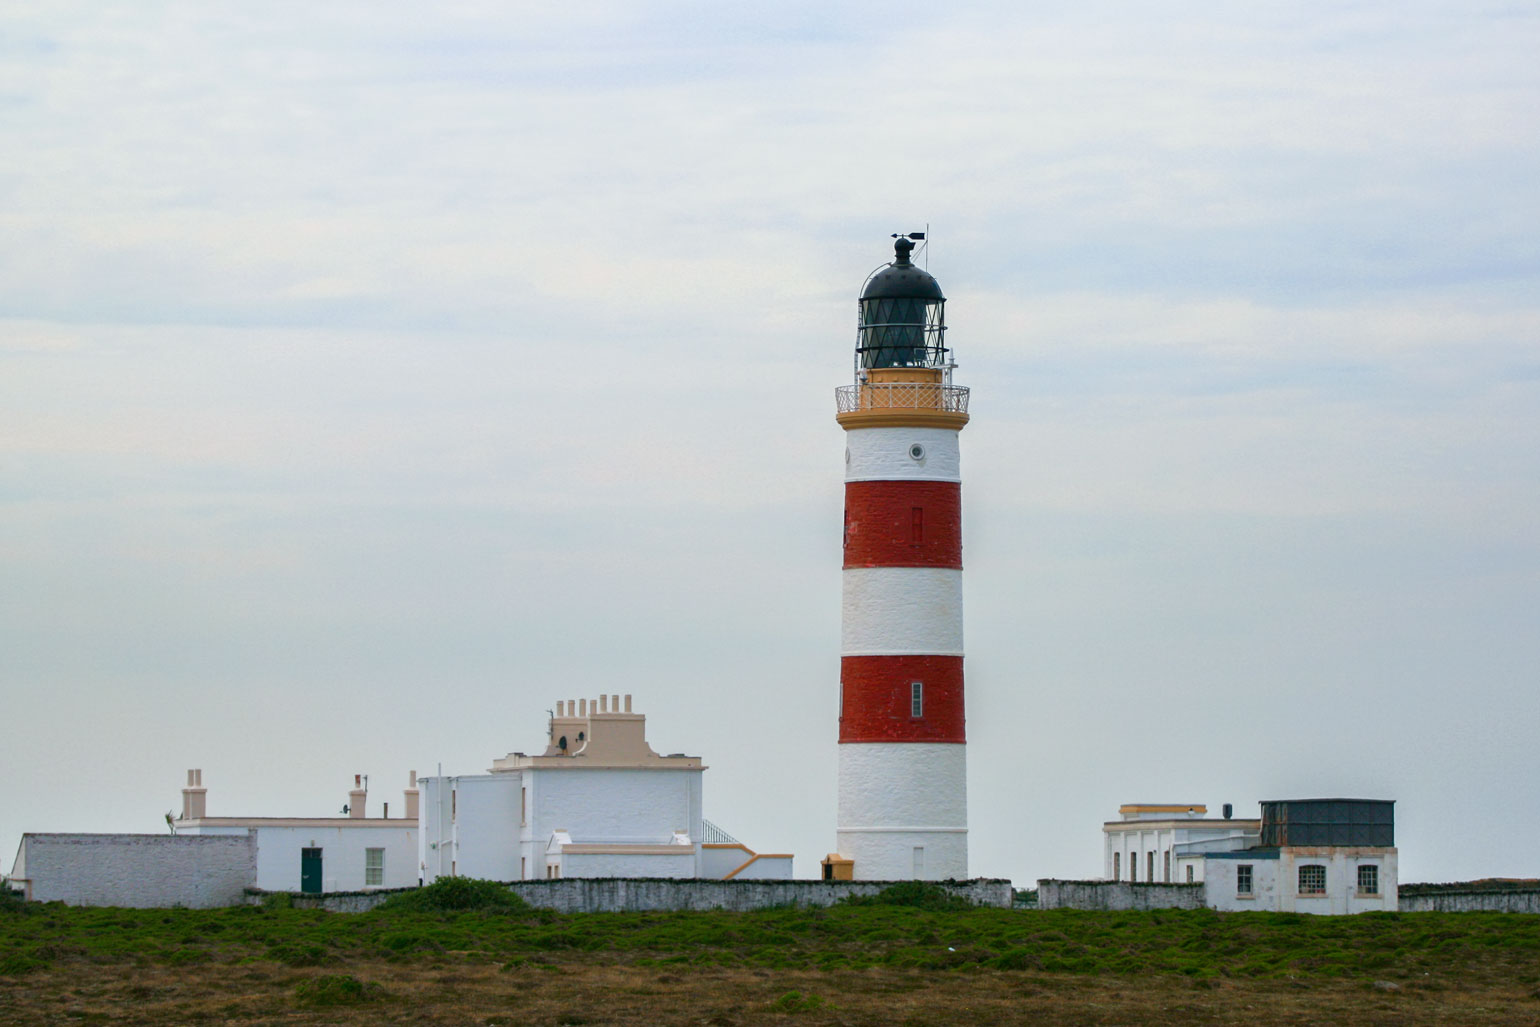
{"x": 471, "y": 943}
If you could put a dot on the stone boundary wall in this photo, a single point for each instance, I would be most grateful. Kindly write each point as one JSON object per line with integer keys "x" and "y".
{"x": 1118, "y": 895}
{"x": 617, "y": 895}
{"x": 147, "y": 871}
{"x": 1476, "y": 899}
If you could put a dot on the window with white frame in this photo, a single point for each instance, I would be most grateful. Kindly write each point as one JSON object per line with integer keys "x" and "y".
{"x": 916, "y": 698}
{"x": 1242, "y": 879}
{"x": 1312, "y": 879}
{"x": 1368, "y": 879}
{"x": 1189, "y": 873}
{"x": 374, "y": 867}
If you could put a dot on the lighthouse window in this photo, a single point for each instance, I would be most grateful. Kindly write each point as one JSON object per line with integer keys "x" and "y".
{"x": 916, "y": 452}
{"x": 916, "y": 698}
{"x": 917, "y": 524}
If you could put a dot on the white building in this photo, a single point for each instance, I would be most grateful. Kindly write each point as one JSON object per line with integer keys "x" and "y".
{"x": 1328, "y": 856}
{"x": 352, "y": 852}
{"x": 598, "y": 802}
{"x": 211, "y": 861}
{"x": 1166, "y": 842}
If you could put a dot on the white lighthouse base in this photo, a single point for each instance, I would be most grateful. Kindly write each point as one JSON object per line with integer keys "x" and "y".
{"x": 903, "y": 810}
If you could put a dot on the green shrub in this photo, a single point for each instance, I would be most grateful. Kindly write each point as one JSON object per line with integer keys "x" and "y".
{"x": 915, "y": 895}
{"x": 16, "y": 964}
{"x": 335, "y": 990}
{"x": 456, "y": 895}
{"x": 796, "y": 1002}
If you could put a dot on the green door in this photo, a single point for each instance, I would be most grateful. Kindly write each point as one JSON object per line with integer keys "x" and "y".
{"x": 310, "y": 870}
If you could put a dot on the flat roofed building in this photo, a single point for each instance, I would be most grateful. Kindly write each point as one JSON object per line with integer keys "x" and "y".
{"x": 1166, "y": 842}
{"x": 1325, "y": 856}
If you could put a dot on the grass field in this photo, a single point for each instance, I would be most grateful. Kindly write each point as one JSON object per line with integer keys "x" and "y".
{"x": 860, "y": 964}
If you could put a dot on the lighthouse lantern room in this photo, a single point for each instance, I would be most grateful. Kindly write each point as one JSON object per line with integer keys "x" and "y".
{"x": 903, "y": 806}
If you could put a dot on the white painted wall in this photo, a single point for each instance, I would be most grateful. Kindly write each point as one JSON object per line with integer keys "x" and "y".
{"x": 138, "y": 870}
{"x": 1219, "y": 885}
{"x": 717, "y": 863}
{"x": 342, "y": 855}
{"x": 899, "y": 610}
{"x": 882, "y": 454}
{"x": 486, "y": 827}
{"x": 1131, "y": 840}
{"x": 435, "y": 843}
{"x": 1275, "y": 882}
{"x": 611, "y": 805}
{"x": 894, "y": 797}
{"x": 470, "y": 827}
{"x": 770, "y": 868}
{"x": 681, "y": 865}
{"x": 1341, "y": 880}
{"x": 485, "y": 835}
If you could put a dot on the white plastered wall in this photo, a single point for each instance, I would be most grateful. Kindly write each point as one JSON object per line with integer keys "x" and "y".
{"x": 1341, "y": 863}
{"x": 342, "y": 855}
{"x": 883, "y": 454}
{"x": 629, "y": 864}
{"x": 1219, "y": 885}
{"x": 895, "y": 797}
{"x": 470, "y": 826}
{"x": 901, "y": 610}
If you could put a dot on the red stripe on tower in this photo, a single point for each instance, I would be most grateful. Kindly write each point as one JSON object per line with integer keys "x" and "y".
{"x": 901, "y": 699}
{"x": 903, "y": 524}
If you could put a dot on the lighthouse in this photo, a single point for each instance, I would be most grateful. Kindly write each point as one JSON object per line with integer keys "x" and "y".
{"x": 903, "y": 797}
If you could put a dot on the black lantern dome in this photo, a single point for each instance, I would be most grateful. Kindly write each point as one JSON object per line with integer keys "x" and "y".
{"x": 902, "y": 323}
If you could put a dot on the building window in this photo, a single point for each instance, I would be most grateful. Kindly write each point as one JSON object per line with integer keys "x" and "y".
{"x": 1149, "y": 874}
{"x": 374, "y": 867}
{"x": 523, "y": 806}
{"x": 916, "y": 698}
{"x": 1189, "y": 873}
{"x": 1312, "y": 879}
{"x": 1117, "y": 866}
{"x": 1369, "y": 879}
{"x": 917, "y": 525}
{"x": 1165, "y": 869}
{"x": 1133, "y": 867}
{"x": 1242, "y": 879}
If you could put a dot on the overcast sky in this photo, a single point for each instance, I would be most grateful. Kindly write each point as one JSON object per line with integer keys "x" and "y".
{"x": 373, "y": 375}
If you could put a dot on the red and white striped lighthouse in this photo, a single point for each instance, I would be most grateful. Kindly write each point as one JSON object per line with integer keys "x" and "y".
{"x": 903, "y": 794}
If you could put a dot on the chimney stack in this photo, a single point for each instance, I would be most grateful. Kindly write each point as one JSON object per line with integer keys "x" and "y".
{"x": 411, "y": 798}
{"x": 357, "y": 797}
{"x": 194, "y": 797}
